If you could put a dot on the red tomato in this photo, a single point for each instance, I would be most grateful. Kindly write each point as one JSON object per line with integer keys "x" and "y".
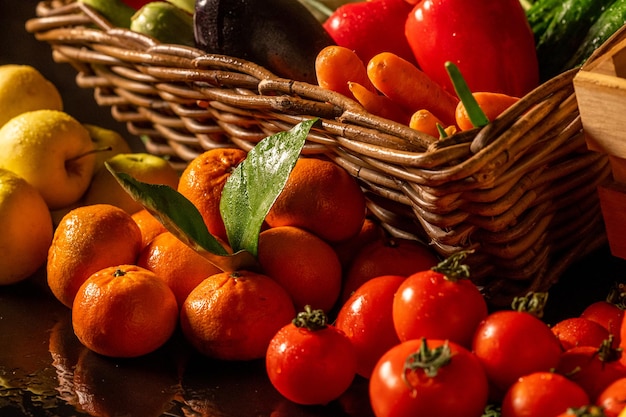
{"x": 438, "y": 305}
{"x": 366, "y": 319}
{"x": 622, "y": 337}
{"x": 511, "y": 344}
{"x": 387, "y": 256}
{"x": 608, "y": 315}
{"x": 593, "y": 368}
{"x": 579, "y": 331}
{"x": 403, "y": 385}
{"x": 371, "y": 27}
{"x": 310, "y": 362}
{"x": 542, "y": 394}
{"x": 613, "y": 398}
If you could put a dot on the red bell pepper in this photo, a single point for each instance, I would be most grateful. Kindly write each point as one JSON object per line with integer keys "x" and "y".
{"x": 370, "y": 27}
{"x": 490, "y": 41}
{"x": 136, "y": 4}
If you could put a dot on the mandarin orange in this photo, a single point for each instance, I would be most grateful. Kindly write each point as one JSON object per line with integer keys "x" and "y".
{"x": 234, "y": 315}
{"x": 88, "y": 239}
{"x": 124, "y": 311}
{"x": 387, "y": 256}
{"x": 320, "y": 197}
{"x": 149, "y": 225}
{"x": 302, "y": 263}
{"x": 203, "y": 180}
{"x": 347, "y": 249}
{"x": 181, "y": 267}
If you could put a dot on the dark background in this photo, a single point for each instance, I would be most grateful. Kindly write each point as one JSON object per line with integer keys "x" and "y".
{"x": 17, "y": 46}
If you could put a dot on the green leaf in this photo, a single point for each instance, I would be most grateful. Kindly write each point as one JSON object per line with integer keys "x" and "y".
{"x": 183, "y": 220}
{"x": 254, "y": 185}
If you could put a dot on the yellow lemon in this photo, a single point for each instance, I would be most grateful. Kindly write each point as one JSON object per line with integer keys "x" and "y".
{"x": 26, "y": 228}
{"x": 52, "y": 151}
{"x": 23, "y": 88}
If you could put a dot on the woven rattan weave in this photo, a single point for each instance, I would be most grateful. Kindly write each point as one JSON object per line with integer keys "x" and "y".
{"x": 521, "y": 192}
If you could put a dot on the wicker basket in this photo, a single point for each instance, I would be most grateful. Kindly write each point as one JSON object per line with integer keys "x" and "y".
{"x": 521, "y": 192}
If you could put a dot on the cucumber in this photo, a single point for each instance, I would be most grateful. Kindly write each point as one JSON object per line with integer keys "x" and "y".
{"x": 559, "y": 27}
{"x": 164, "y": 22}
{"x": 116, "y": 12}
{"x": 613, "y": 18}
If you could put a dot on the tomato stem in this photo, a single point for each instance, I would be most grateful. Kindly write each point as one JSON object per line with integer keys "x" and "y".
{"x": 428, "y": 360}
{"x": 533, "y": 303}
{"x": 492, "y": 410}
{"x": 311, "y": 319}
{"x": 587, "y": 411}
{"x": 606, "y": 352}
{"x": 452, "y": 267}
{"x": 617, "y": 295}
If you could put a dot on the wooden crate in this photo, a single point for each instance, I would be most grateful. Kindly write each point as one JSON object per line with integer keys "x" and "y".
{"x": 601, "y": 94}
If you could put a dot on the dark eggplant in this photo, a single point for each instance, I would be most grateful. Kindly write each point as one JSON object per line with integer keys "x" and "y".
{"x": 281, "y": 35}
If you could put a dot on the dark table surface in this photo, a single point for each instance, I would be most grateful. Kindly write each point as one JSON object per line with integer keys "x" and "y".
{"x": 44, "y": 371}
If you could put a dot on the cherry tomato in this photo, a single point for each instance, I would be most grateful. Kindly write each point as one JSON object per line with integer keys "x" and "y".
{"x": 440, "y": 303}
{"x": 309, "y": 361}
{"x": 613, "y": 398}
{"x": 511, "y": 344}
{"x": 608, "y": 315}
{"x": 579, "y": 331}
{"x": 542, "y": 394}
{"x": 366, "y": 319}
{"x": 428, "y": 377}
{"x": 593, "y": 368}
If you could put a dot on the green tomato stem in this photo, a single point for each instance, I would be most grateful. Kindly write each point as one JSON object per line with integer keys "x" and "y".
{"x": 533, "y": 303}
{"x": 311, "y": 319}
{"x": 452, "y": 267}
{"x": 428, "y": 360}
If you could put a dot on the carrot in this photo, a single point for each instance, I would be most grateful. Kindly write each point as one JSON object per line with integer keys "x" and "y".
{"x": 410, "y": 87}
{"x": 336, "y": 65}
{"x": 492, "y": 105}
{"x": 425, "y": 121}
{"x": 475, "y": 109}
{"x": 378, "y": 104}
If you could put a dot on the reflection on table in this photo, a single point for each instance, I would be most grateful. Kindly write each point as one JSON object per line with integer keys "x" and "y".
{"x": 45, "y": 371}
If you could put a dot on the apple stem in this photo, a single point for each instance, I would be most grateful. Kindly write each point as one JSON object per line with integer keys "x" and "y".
{"x": 89, "y": 152}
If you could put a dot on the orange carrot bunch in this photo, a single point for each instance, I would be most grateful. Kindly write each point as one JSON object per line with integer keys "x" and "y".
{"x": 394, "y": 88}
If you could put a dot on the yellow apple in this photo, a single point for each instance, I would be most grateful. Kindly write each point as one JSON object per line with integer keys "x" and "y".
{"x": 144, "y": 167}
{"x": 52, "y": 151}
{"x": 23, "y": 88}
{"x": 108, "y": 143}
{"x": 26, "y": 227}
